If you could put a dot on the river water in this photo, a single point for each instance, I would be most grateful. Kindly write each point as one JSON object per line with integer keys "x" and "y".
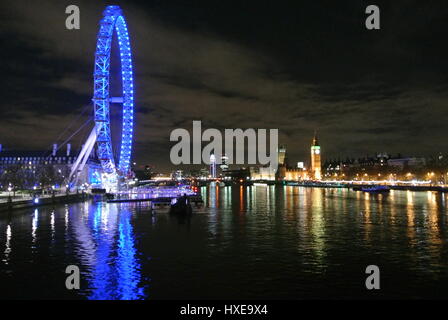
{"x": 257, "y": 242}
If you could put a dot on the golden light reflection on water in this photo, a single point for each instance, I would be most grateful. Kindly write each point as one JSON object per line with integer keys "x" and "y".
{"x": 217, "y": 195}
{"x": 433, "y": 217}
{"x": 393, "y": 212}
{"x": 318, "y": 225}
{"x": 268, "y": 196}
{"x": 290, "y": 197}
{"x": 392, "y": 195}
{"x": 410, "y": 214}
{"x": 303, "y": 212}
{"x": 296, "y": 198}
{"x": 273, "y": 194}
{"x": 241, "y": 199}
{"x": 367, "y": 217}
{"x": 381, "y": 199}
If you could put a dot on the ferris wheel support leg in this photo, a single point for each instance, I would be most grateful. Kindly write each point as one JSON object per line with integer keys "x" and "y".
{"x": 83, "y": 156}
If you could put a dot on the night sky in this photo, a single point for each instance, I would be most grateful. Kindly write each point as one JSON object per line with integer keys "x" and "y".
{"x": 295, "y": 66}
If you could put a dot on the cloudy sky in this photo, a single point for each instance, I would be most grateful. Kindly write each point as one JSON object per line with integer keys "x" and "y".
{"x": 295, "y": 66}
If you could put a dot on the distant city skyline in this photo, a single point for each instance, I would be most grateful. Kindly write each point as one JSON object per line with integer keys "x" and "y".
{"x": 290, "y": 161}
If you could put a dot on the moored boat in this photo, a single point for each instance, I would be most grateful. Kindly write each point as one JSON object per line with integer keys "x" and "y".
{"x": 376, "y": 189}
{"x": 181, "y": 206}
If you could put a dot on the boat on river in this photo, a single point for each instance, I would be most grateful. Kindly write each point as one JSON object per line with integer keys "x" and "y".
{"x": 181, "y": 206}
{"x": 376, "y": 189}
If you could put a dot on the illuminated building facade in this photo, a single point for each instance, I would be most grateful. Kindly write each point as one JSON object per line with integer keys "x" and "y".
{"x": 284, "y": 172}
{"x": 28, "y": 169}
{"x": 224, "y": 163}
{"x": 316, "y": 165}
{"x": 212, "y": 166}
{"x": 281, "y": 155}
{"x": 262, "y": 173}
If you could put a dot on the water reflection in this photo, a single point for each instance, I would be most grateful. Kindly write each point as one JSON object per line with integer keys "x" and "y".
{"x": 110, "y": 254}
{"x": 281, "y": 241}
{"x": 35, "y": 224}
{"x": 52, "y": 225}
{"x": 433, "y": 217}
{"x": 318, "y": 229}
{"x": 127, "y": 265}
{"x": 241, "y": 198}
{"x": 213, "y": 195}
{"x": 7, "y": 251}
{"x": 66, "y": 213}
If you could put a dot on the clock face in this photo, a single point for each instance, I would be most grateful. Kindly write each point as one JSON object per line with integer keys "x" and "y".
{"x": 317, "y": 151}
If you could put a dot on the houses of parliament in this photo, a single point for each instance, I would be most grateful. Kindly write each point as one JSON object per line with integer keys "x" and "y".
{"x": 314, "y": 172}
{"x": 283, "y": 172}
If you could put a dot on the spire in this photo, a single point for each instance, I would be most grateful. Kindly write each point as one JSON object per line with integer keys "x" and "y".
{"x": 315, "y": 141}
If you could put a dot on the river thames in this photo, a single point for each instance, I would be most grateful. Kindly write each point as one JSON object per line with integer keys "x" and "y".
{"x": 257, "y": 242}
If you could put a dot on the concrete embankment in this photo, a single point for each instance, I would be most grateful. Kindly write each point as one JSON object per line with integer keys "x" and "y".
{"x": 43, "y": 201}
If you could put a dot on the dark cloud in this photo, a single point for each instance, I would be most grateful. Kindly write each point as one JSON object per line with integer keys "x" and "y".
{"x": 295, "y": 66}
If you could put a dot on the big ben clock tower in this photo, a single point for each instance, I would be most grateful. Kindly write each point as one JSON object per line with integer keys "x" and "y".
{"x": 316, "y": 170}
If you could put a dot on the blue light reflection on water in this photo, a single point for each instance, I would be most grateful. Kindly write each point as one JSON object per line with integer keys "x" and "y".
{"x": 102, "y": 273}
{"x": 127, "y": 266}
{"x": 115, "y": 269}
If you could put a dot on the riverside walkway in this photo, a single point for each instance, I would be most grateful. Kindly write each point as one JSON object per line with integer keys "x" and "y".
{"x": 27, "y": 201}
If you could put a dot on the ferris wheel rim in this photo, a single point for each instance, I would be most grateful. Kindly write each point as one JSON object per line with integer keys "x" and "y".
{"x": 113, "y": 22}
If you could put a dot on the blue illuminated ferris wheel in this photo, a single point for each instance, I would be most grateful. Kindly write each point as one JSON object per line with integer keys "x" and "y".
{"x": 113, "y": 20}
